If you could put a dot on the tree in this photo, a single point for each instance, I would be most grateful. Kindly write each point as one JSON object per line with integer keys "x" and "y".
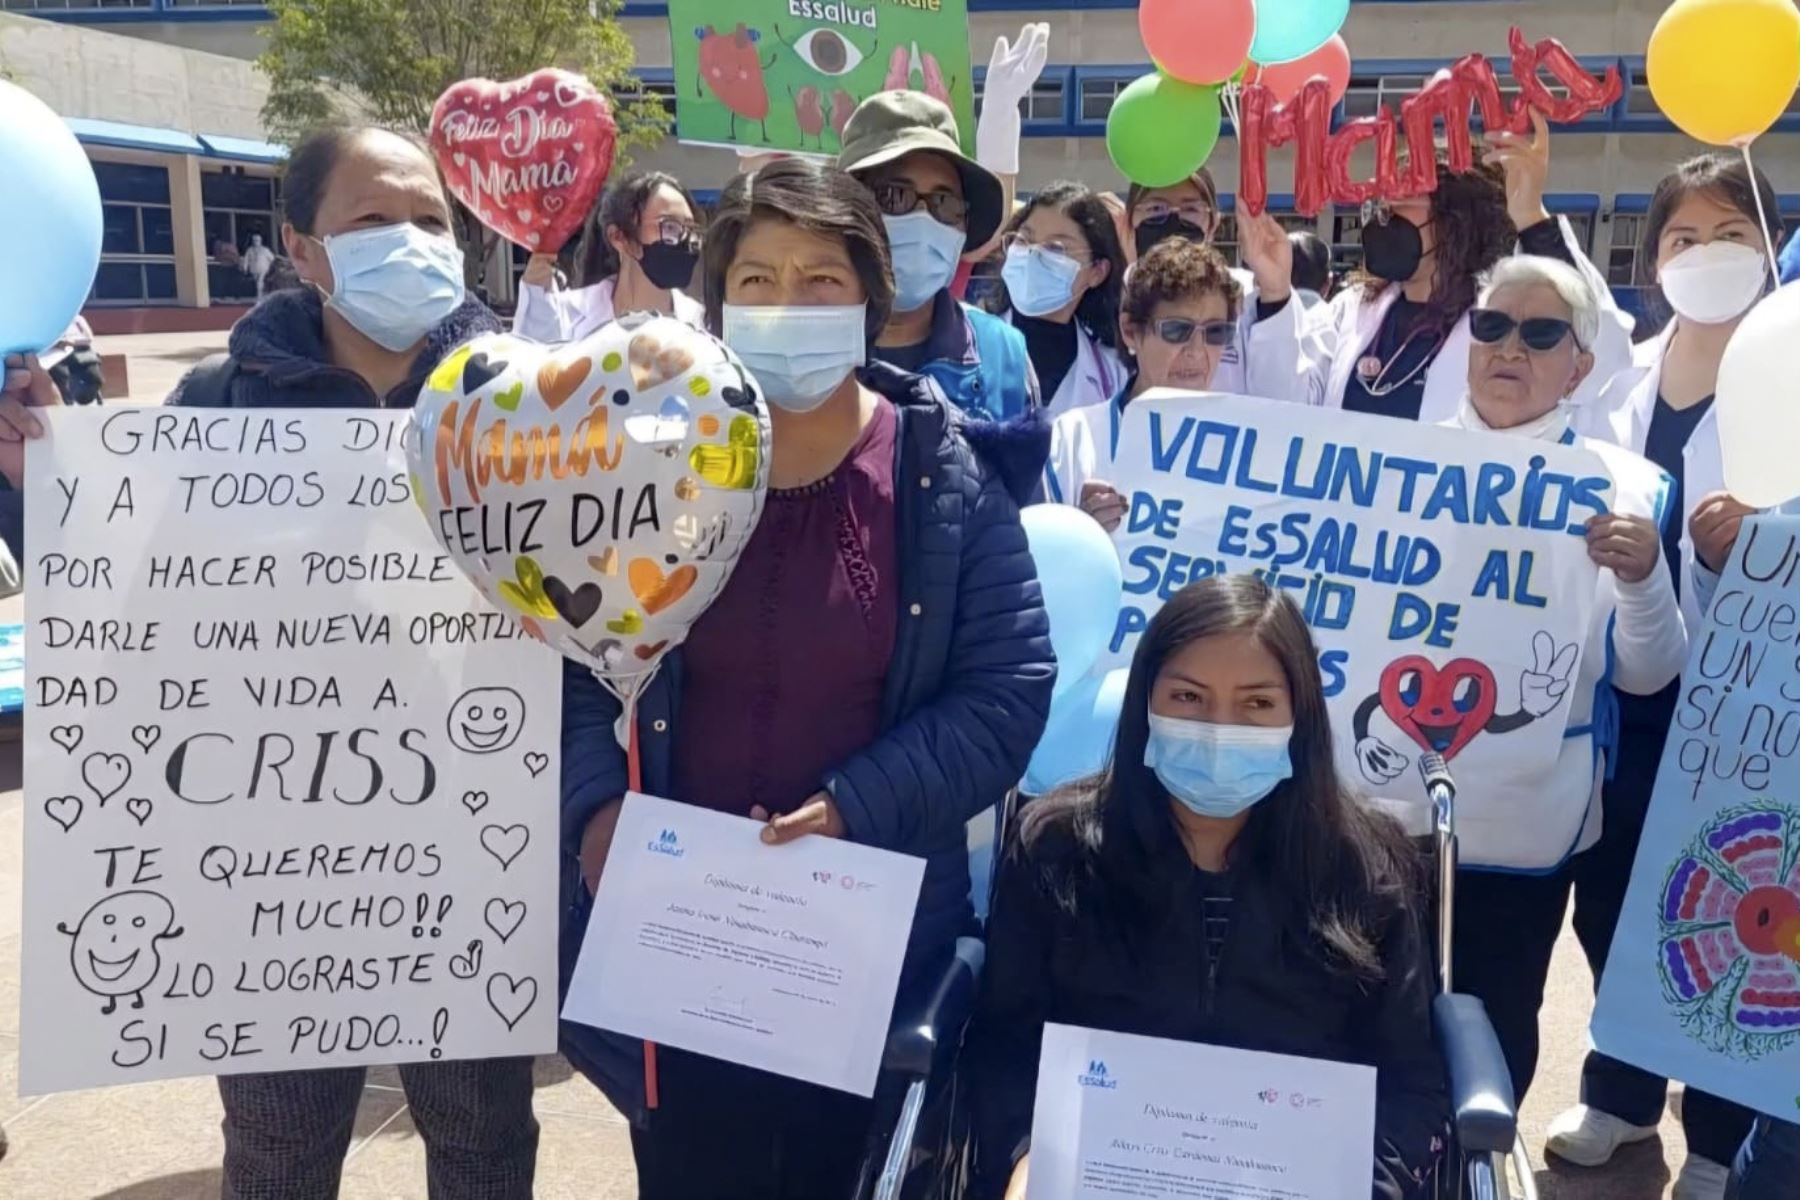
{"x": 387, "y": 61}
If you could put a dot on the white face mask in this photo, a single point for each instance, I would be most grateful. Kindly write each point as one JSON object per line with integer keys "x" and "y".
{"x": 395, "y": 283}
{"x": 798, "y": 355}
{"x": 1714, "y": 283}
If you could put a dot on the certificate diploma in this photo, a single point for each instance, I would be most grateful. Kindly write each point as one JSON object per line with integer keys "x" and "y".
{"x": 785, "y": 958}
{"x": 1119, "y": 1115}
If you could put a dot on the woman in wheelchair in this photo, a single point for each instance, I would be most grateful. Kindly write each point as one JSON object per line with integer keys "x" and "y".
{"x": 1216, "y": 885}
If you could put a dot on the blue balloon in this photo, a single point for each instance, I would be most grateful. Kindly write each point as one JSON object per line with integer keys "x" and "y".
{"x": 1082, "y": 581}
{"x": 50, "y": 225}
{"x": 1290, "y": 29}
{"x": 1078, "y": 739}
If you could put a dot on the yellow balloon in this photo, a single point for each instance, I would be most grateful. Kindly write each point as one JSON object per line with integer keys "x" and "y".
{"x": 1725, "y": 70}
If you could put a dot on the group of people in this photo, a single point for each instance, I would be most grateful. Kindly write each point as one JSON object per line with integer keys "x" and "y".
{"x": 879, "y": 666}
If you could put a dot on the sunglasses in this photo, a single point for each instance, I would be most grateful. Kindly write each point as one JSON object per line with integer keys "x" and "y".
{"x": 1179, "y": 331}
{"x": 1491, "y": 327}
{"x": 897, "y": 199}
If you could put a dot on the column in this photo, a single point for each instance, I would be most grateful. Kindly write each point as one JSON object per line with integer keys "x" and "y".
{"x": 191, "y": 286}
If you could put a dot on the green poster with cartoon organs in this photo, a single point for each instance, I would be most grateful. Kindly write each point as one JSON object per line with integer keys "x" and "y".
{"x": 787, "y": 74}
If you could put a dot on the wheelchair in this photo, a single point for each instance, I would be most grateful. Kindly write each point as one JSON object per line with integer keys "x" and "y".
{"x": 919, "y": 1145}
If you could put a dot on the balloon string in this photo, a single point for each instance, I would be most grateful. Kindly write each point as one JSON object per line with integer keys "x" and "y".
{"x": 1762, "y": 216}
{"x": 634, "y": 779}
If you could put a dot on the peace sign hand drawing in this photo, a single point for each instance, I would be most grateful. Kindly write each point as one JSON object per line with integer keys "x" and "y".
{"x": 1543, "y": 686}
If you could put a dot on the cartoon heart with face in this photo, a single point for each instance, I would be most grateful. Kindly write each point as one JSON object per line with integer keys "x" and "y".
{"x": 1440, "y": 708}
{"x": 599, "y": 493}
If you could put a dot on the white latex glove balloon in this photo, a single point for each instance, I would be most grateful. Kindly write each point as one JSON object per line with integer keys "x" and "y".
{"x": 1012, "y": 72}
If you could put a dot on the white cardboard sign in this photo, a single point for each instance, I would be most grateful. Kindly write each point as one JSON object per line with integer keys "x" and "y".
{"x": 290, "y": 786}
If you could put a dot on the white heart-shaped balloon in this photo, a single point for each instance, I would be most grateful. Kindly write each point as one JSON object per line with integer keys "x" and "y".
{"x": 599, "y": 492}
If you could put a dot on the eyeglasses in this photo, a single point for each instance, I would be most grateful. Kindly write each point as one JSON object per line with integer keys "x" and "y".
{"x": 1490, "y": 327}
{"x": 1179, "y": 331}
{"x": 1156, "y": 212}
{"x": 674, "y": 231}
{"x": 1076, "y": 252}
{"x": 897, "y": 199}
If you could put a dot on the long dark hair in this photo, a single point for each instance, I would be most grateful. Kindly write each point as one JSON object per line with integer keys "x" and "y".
{"x": 1473, "y": 231}
{"x": 1099, "y": 307}
{"x": 1721, "y": 177}
{"x": 1340, "y": 869}
{"x": 820, "y": 200}
{"x": 620, "y": 207}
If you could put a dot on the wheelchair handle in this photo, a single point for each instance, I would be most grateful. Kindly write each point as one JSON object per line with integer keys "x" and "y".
{"x": 1441, "y": 789}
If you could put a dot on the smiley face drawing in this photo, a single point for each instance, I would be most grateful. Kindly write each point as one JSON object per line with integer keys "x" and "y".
{"x": 1441, "y": 709}
{"x": 486, "y": 720}
{"x": 114, "y": 952}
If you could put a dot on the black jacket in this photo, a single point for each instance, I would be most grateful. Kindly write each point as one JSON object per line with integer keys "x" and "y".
{"x": 277, "y": 359}
{"x": 1272, "y": 990}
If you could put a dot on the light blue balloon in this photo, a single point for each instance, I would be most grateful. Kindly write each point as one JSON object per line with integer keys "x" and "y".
{"x": 1290, "y": 29}
{"x": 50, "y": 226}
{"x": 1078, "y": 739}
{"x": 1082, "y": 581}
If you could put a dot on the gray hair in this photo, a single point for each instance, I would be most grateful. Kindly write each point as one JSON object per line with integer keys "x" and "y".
{"x": 1525, "y": 270}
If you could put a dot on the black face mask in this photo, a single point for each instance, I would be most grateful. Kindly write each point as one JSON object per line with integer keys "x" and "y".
{"x": 1151, "y": 232}
{"x": 670, "y": 265}
{"x": 1393, "y": 251}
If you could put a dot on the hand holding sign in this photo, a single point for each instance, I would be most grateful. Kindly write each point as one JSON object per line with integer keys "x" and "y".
{"x": 527, "y": 157}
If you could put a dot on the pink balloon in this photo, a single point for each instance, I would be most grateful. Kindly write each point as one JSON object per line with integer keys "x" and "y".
{"x": 1330, "y": 62}
{"x": 1198, "y": 41}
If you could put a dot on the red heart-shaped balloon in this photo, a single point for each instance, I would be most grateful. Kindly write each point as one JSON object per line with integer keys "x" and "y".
{"x": 528, "y": 157}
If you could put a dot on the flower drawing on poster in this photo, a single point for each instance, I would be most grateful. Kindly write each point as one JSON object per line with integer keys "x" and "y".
{"x": 1729, "y": 953}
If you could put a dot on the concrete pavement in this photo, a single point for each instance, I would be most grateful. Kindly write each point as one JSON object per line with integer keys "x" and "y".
{"x": 161, "y": 1141}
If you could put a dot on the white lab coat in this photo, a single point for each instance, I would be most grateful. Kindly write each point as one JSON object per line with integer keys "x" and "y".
{"x": 1622, "y": 414}
{"x": 1353, "y": 324}
{"x": 1095, "y": 376}
{"x": 571, "y": 314}
{"x": 1636, "y": 641}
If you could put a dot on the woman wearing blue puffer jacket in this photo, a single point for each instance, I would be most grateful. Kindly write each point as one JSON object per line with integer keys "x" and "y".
{"x": 878, "y": 667}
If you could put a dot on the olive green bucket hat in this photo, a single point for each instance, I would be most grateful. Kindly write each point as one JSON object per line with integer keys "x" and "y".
{"x": 888, "y": 126}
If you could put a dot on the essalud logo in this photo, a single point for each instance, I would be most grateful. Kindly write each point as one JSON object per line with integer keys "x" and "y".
{"x": 1096, "y": 1076}
{"x": 667, "y": 843}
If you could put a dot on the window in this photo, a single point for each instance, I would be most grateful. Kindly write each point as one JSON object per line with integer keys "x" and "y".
{"x": 236, "y": 206}
{"x": 1097, "y": 96}
{"x": 1044, "y": 104}
{"x": 1638, "y": 100}
{"x": 1369, "y": 92}
{"x": 1583, "y": 225}
{"x": 1225, "y": 238}
{"x": 66, "y": 5}
{"x": 660, "y": 90}
{"x": 137, "y": 250}
{"x": 1346, "y": 241}
{"x": 1622, "y": 259}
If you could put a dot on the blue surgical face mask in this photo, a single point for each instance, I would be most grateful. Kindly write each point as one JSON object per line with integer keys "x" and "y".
{"x": 1218, "y": 770}
{"x": 925, "y": 255}
{"x": 1038, "y": 281}
{"x": 395, "y": 283}
{"x": 798, "y": 355}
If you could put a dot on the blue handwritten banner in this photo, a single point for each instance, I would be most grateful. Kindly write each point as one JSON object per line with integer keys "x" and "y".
{"x": 1703, "y": 982}
{"x": 1444, "y": 573}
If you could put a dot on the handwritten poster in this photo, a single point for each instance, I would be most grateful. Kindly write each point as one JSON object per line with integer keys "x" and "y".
{"x": 290, "y": 787}
{"x": 1444, "y": 573}
{"x": 1703, "y": 982}
{"x": 787, "y": 74}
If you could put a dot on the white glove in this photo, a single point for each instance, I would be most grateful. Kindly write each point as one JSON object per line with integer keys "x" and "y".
{"x": 1542, "y": 687}
{"x": 1380, "y": 762}
{"x": 1012, "y": 72}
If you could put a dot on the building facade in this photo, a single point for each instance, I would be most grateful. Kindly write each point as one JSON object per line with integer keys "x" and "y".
{"x": 1604, "y": 169}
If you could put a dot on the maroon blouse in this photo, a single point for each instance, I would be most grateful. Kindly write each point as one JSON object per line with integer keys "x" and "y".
{"x": 783, "y": 677}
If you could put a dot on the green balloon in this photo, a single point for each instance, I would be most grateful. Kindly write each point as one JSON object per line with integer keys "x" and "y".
{"x": 1160, "y": 130}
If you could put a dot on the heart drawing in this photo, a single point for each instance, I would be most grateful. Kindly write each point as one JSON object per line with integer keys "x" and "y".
{"x": 511, "y": 998}
{"x": 505, "y": 842}
{"x": 504, "y": 917}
